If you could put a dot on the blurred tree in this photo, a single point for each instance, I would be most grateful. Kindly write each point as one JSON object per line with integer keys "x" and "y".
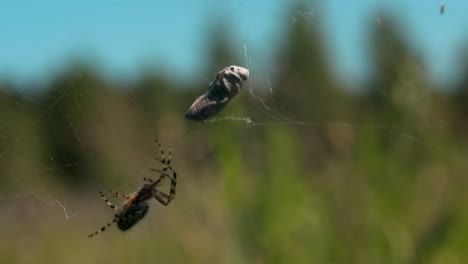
{"x": 305, "y": 79}
{"x": 156, "y": 94}
{"x": 460, "y": 95}
{"x": 399, "y": 99}
{"x": 229, "y": 135}
{"x": 392, "y": 59}
{"x": 9, "y": 111}
{"x": 307, "y": 87}
{"x": 8, "y": 102}
{"x": 74, "y": 98}
{"x": 220, "y": 50}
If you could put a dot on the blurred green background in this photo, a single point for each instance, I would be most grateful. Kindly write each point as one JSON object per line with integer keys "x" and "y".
{"x": 324, "y": 173}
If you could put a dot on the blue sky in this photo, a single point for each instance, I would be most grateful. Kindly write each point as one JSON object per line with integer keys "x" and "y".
{"x": 124, "y": 35}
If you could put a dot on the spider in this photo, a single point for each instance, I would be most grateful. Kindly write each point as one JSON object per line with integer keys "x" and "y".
{"x": 135, "y": 206}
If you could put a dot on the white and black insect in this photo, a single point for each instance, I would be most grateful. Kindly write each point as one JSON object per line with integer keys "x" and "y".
{"x": 227, "y": 84}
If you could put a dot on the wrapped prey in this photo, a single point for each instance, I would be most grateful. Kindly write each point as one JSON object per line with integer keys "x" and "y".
{"x": 227, "y": 84}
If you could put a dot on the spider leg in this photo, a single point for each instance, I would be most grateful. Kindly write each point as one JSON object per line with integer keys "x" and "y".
{"x": 102, "y": 229}
{"x": 163, "y": 172}
{"x": 108, "y": 202}
{"x": 163, "y": 198}
{"x": 118, "y": 195}
{"x": 148, "y": 180}
{"x": 155, "y": 183}
{"x": 172, "y": 192}
{"x": 163, "y": 159}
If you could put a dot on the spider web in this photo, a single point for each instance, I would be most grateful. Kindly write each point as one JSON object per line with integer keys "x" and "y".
{"x": 39, "y": 189}
{"x": 275, "y": 117}
{"x": 35, "y": 184}
{"x": 272, "y": 117}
